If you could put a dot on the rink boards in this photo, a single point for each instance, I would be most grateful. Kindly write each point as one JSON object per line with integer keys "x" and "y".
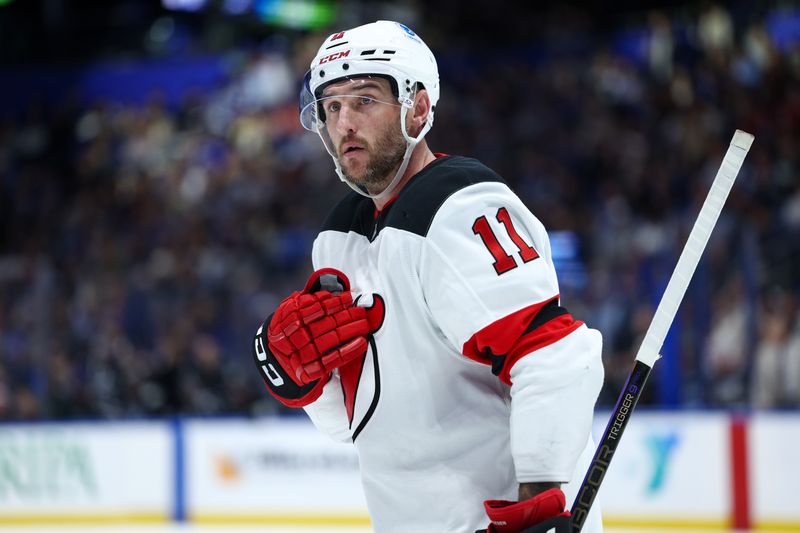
{"x": 676, "y": 469}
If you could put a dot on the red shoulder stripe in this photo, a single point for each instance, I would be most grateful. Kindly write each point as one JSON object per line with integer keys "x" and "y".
{"x": 549, "y": 333}
{"x": 503, "y": 342}
{"x": 501, "y": 335}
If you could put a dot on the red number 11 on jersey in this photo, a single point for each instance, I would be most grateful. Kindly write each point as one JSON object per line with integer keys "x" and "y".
{"x": 502, "y": 261}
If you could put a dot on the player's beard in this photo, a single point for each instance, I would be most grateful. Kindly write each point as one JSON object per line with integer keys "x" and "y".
{"x": 384, "y": 160}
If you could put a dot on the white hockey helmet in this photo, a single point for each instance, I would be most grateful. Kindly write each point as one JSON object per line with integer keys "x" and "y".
{"x": 385, "y": 49}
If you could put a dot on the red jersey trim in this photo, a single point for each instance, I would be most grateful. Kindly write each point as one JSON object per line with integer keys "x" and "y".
{"x": 377, "y": 211}
{"x": 499, "y": 336}
{"x": 505, "y": 340}
{"x": 549, "y": 333}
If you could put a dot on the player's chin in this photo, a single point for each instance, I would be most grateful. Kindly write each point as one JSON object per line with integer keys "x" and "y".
{"x": 356, "y": 178}
{"x": 354, "y": 170}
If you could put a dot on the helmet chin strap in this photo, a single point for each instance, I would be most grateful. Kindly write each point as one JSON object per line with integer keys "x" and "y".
{"x": 411, "y": 143}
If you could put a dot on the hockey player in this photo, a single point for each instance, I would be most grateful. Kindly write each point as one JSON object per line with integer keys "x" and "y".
{"x": 431, "y": 334}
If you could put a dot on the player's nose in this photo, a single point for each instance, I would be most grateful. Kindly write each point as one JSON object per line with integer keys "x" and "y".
{"x": 346, "y": 121}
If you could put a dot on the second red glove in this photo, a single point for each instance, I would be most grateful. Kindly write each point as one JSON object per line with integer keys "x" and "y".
{"x": 516, "y": 517}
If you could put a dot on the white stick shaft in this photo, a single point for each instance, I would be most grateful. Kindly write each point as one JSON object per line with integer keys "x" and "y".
{"x": 696, "y": 243}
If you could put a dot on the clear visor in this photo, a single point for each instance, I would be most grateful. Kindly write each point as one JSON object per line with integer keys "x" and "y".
{"x": 376, "y": 88}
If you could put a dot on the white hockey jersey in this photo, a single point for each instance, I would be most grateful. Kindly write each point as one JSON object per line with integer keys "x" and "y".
{"x": 444, "y": 410}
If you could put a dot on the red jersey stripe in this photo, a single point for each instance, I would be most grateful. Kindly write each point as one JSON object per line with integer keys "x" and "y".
{"x": 549, "y": 333}
{"x": 507, "y": 339}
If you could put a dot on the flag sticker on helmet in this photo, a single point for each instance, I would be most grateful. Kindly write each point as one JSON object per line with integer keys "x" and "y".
{"x": 408, "y": 31}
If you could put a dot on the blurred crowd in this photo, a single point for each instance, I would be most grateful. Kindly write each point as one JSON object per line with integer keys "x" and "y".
{"x": 142, "y": 245}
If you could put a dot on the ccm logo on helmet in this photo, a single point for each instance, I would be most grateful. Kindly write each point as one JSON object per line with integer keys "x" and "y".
{"x": 337, "y": 55}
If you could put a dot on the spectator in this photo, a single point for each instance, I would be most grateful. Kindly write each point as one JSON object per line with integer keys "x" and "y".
{"x": 776, "y": 377}
{"x": 726, "y": 357}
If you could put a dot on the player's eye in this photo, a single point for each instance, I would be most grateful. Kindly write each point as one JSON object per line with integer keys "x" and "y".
{"x": 366, "y": 100}
{"x": 332, "y": 106}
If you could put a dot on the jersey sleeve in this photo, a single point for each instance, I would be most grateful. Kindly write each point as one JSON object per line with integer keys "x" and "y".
{"x": 491, "y": 287}
{"x": 489, "y": 279}
{"x": 556, "y": 387}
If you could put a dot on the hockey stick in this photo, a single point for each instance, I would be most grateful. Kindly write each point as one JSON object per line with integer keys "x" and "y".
{"x": 662, "y": 320}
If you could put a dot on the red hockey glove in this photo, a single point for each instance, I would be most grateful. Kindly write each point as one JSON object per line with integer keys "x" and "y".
{"x": 517, "y": 517}
{"x": 315, "y": 331}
